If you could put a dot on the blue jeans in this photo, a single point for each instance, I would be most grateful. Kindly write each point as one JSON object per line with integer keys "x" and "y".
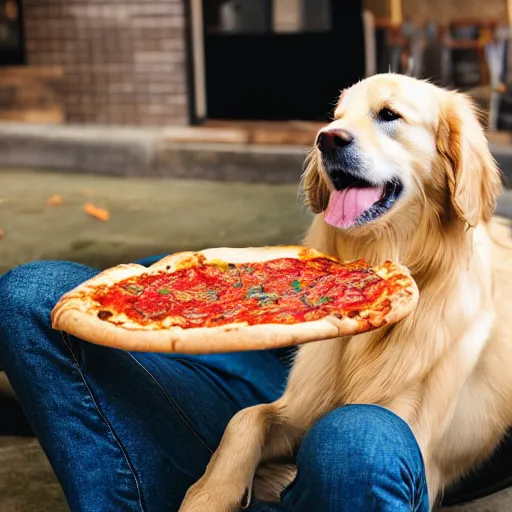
{"x": 132, "y": 431}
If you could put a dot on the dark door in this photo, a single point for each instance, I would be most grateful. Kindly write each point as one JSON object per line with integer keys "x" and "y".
{"x": 263, "y": 63}
{"x": 11, "y": 33}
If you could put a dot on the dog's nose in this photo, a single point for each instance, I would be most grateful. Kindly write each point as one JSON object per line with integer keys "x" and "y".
{"x": 333, "y": 139}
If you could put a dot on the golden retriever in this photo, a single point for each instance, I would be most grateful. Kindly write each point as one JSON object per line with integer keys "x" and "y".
{"x": 403, "y": 173}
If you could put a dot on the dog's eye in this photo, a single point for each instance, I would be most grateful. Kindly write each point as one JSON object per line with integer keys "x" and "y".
{"x": 388, "y": 115}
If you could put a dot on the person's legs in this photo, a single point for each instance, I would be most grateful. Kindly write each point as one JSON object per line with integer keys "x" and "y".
{"x": 133, "y": 431}
{"x": 123, "y": 431}
{"x": 359, "y": 458}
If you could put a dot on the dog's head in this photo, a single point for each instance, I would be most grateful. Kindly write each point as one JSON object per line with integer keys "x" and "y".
{"x": 397, "y": 150}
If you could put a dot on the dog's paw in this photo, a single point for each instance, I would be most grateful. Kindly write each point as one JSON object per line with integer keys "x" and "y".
{"x": 210, "y": 498}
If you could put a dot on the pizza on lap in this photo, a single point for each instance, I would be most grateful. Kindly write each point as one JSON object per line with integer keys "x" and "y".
{"x": 223, "y": 299}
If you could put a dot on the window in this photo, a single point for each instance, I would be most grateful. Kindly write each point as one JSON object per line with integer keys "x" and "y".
{"x": 11, "y": 33}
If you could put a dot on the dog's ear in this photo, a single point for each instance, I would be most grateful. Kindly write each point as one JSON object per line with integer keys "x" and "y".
{"x": 314, "y": 188}
{"x": 473, "y": 179}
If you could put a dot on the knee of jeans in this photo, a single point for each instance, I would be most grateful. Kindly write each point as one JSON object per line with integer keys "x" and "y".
{"x": 36, "y": 287}
{"x": 359, "y": 441}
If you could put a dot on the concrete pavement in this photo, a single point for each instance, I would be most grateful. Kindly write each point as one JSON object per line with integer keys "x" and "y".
{"x": 147, "y": 217}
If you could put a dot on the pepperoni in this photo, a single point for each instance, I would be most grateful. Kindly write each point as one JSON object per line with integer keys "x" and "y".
{"x": 284, "y": 291}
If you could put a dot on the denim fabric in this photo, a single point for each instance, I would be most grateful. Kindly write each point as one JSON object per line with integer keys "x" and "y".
{"x": 132, "y": 431}
{"x": 359, "y": 458}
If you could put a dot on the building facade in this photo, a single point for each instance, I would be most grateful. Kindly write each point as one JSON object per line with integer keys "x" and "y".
{"x": 173, "y": 62}
{"x": 178, "y": 62}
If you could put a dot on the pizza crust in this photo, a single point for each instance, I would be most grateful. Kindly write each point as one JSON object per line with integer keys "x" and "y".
{"x": 75, "y": 316}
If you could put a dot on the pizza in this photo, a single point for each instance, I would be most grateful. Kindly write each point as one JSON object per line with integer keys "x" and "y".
{"x": 225, "y": 299}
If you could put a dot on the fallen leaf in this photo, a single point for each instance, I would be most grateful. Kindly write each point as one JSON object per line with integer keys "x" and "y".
{"x": 2, "y": 234}
{"x": 54, "y": 200}
{"x": 97, "y": 212}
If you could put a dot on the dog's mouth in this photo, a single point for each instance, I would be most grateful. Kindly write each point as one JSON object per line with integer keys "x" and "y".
{"x": 355, "y": 201}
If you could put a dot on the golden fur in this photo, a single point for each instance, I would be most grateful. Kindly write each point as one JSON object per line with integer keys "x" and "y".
{"x": 445, "y": 369}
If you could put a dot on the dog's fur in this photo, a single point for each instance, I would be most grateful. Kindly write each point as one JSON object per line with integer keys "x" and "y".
{"x": 447, "y": 368}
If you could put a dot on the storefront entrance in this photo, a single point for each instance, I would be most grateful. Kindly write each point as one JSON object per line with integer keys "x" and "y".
{"x": 279, "y": 59}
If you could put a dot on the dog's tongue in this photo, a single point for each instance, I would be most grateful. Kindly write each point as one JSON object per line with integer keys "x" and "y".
{"x": 346, "y": 205}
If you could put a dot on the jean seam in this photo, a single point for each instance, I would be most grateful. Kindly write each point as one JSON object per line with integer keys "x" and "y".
{"x": 175, "y": 406}
{"x": 104, "y": 418}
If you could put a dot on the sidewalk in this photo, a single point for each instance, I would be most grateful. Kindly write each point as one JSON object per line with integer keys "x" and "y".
{"x": 147, "y": 216}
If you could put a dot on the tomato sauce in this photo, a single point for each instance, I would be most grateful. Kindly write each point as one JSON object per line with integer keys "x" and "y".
{"x": 284, "y": 291}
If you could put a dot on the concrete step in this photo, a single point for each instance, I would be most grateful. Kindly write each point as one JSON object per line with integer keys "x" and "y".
{"x": 146, "y": 153}
{"x": 192, "y": 153}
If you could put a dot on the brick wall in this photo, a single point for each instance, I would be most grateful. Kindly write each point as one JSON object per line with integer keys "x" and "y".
{"x": 123, "y": 60}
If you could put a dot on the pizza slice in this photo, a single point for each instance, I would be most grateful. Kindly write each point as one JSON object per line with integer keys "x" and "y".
{"x": 225, "y": 299}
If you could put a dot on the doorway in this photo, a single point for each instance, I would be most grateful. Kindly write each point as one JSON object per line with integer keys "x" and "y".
{"x": 278, "y": 60}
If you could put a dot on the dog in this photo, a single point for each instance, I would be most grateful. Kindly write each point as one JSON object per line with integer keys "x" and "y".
{"x": 403, "y": 172}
